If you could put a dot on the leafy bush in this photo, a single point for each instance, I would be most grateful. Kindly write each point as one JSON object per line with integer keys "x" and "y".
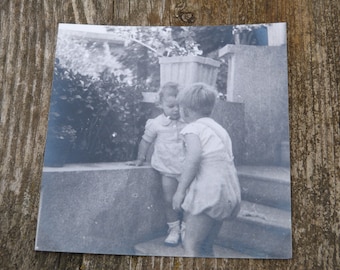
{"x": 105, "y": 115}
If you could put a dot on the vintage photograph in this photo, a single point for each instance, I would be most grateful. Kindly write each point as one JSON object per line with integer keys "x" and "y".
{"x": 168, "y": 141}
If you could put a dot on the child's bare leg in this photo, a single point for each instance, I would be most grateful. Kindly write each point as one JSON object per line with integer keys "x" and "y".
{"x": 207, "y": 247}
{"x": 173, "y": 218}
{"x": 200, "y": 235}
{"x": 169, "y": 185}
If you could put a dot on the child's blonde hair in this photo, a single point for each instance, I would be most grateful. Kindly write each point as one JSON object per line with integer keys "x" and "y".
{"x": 198, "y": 97}
{"x": 169, "y": 89}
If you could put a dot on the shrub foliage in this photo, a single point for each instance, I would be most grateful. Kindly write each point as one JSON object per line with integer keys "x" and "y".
{"x": 102, "y": 117}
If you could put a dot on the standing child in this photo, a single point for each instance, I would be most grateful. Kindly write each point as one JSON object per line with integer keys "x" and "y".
{"x": 208, "y": 190}
{"x": 168, "y": 155}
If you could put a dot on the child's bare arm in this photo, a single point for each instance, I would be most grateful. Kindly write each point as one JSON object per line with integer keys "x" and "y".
{"x": 190, "y": 168}
{"x": 142, "y": 151}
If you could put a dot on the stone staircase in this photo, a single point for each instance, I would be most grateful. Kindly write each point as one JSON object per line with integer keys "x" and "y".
{"x": 263, "y": 226}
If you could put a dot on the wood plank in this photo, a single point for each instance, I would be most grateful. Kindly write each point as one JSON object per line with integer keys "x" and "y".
{"x": 27, "y": 44}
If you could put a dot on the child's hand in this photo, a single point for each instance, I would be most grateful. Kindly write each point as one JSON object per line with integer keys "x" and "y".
{"x": 177, "y": 201}
{"x": 135, "y": 163}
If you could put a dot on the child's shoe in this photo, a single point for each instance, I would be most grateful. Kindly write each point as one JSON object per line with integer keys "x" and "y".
{"x": 174, "y": 234}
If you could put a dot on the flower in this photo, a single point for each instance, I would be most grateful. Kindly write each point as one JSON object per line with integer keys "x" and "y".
{"x": 65, "y": 132}
{"x": 160, "y": 40}
{"x": 245, "y": 28}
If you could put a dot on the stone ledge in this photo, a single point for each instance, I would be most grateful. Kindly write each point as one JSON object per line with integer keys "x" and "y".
{"x": 99, "y": 208}
{"x": 95, "y": 167}
{"x": 261, "y": 231}
{"x": 108, "y": 208}
{"x": 266, "y": 185}
{"x": 270, "y": 173}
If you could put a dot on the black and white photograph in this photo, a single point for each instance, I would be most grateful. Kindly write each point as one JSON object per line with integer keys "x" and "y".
{"x": 168, "y": 141}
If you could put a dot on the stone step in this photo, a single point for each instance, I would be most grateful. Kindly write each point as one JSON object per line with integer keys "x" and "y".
{"x": 156, "y": 247}
{"x": 259, "y": 230}
{"x": 266, "y": 185}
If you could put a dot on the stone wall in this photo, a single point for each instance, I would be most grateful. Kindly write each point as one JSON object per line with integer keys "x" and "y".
{"x": 258, "y": 78}
{"x": 108, "y": 208}
{"x": 99, "y": 208}
{"x": 230, "y": 115}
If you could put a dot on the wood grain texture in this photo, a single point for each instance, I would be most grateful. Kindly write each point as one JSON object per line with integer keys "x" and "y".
{"x": 27, "y": 47}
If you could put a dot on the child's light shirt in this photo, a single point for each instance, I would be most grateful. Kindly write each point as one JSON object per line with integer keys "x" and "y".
{"x": 207, "y": 192}
{"x": 168, "y": 155}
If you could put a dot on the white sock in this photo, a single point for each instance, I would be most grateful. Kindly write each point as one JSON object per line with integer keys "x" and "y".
{"x": 174, "y": 224}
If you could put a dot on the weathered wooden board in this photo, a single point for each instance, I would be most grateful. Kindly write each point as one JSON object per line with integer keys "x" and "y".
{"x": 27, "y": 44}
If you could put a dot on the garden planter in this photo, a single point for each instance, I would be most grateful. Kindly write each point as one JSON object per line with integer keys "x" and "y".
{"x": 188, "y": 69}
{"x": 150, "y": 97}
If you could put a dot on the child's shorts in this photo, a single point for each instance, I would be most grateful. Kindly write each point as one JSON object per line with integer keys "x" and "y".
{"x": 172, "y": 175}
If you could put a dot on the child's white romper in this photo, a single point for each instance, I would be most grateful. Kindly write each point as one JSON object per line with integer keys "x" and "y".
{"x": 168, "y": 154}
{"x": 208, "y": 192}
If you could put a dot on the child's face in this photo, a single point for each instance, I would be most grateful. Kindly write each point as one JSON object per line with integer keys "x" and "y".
{"x": 170, "y": 107}
{"x": 184, "y": 114}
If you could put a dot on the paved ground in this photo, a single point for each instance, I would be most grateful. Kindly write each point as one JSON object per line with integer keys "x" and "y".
{"x": 156, "y": 247}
